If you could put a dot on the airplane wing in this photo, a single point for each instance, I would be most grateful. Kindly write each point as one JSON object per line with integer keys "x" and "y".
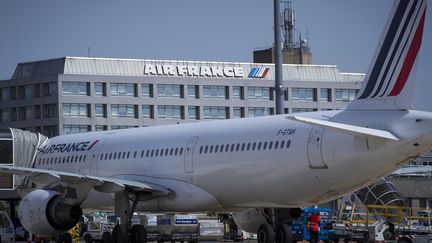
{"x": 101, "y": 184}
{"x": 345, "y": 128}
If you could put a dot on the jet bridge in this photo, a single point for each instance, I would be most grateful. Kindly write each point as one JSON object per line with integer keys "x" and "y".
{"x": 17, "y": 148}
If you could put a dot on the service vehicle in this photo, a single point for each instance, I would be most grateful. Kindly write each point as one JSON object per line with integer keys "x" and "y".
{"x": 299, "y": 228}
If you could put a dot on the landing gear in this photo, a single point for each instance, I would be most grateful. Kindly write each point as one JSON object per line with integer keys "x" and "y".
{"x": 283, "y": 234}
{"x": 125, "y": 205}
{"x": 266, "y": 234}
{"x": 274, "y": 231}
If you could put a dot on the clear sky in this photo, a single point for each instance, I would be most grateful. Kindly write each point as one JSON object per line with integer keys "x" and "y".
{"x": 340, "y": 32}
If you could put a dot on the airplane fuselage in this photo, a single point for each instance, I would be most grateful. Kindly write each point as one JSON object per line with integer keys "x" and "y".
{"x": 261, "y": 162}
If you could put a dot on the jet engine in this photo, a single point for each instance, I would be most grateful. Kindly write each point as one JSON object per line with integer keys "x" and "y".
{"x": 44, "y": 212}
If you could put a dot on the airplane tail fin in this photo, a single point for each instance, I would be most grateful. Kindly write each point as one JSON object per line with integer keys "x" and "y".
{"x": 389, "y": 82}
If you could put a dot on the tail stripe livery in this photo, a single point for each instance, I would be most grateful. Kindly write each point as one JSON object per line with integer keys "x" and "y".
{"x": 410, "y": 59}
{"x": 397, "y": 54}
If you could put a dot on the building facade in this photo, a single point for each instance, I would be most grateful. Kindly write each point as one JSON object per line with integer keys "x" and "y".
{"x": 77, "y": 94}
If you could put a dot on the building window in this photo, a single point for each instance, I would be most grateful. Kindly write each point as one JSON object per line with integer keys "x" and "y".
{"x": 238, "y": 93}
{"x": 214, "y": 91}
{"x": 259, "y": 111}
{"x": 299, "y": 110}
{"x": 193, "y": 112}
{"x": 13, "y": 92}
{"x": 72, "y": 129}
{"x": 303, "y": 94}
{"x": 4, "y": 115}
{"x": 215, "y": 112}
{"x": 5, "y": 94}
{"x": 100, "y": 110}
{"x": 100, "y": 89}
{"x": 28, "y": 91}
{"x": 239, "y": 112}
{"x": 170, "y": 111}
{"x": 260, "y": 93}
{"x": 115, "y": 127}
{"x": 193, "y": 92}
{"x": 49, "y": 110}
{"x": 345, "y": 94}
{"x": 75, "y": 110}
{"x": 169, "y": 90}
{"x": 123, "y": 111}
{"x": 75, "y": 88}
{"x": 123, "y": 89}
{"x": 101, "y": 128}
{"x": 50, "y": 131}
{"x": 25, "y": 113}
{"x": 147, "y": 90}
{"x": 36, "y": 90}
{"x": 325, "y": 95}
{"x": 147, "y": 111}
{"x": 49, "y": 89}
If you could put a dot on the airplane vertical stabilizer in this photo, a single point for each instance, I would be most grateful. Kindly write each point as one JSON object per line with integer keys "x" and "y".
{"x": 389, "y": 82}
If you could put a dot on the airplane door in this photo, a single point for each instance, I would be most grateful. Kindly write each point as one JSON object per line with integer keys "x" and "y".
{"x": 314, "y": 149}
{"x": 188, "y": 155}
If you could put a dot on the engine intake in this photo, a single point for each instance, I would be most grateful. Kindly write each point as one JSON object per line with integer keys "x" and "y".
{"x": 44, "y": 212}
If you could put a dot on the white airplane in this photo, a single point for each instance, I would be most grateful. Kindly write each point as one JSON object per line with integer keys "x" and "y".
{"x": 249, "y": 166}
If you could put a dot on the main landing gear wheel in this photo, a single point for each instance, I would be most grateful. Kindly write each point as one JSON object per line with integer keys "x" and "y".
{"x": 266, "y": 234}
{"x": 283, "y": 234}
{"x": 106, "y": 237}
{"x": 138, "y": 234}
{"x": 88, "y": 238}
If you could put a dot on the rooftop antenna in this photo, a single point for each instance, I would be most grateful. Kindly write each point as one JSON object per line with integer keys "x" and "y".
{"x": 288, "y": 24}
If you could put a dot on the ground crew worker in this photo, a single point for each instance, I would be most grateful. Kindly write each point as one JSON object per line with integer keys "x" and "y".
{"x": 314, "y": 227}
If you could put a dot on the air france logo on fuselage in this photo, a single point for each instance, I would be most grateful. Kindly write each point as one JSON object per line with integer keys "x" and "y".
{"x": 68, "y": 147}
{"x": 258, "y": 72}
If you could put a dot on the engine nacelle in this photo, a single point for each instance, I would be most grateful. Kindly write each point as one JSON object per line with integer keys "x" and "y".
{"x": 44, "y": 212}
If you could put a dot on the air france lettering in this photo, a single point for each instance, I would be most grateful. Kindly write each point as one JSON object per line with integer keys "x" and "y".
{"x": 194, "y": 71}
{"x": 68, "y": 147}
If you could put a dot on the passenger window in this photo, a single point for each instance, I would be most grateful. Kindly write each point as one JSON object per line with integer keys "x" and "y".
{"x": 206, "y": 149}
{"x": 276, "y": 144}
{"x": 148, "y": 153}
{"x": 135, "y": 154}
{"x": 248, "y": 146}
{"x": 265, "y": 146}
{"x": 152, "y": 152}
{"x": 114, "y": 156}
{"x": 157, "y": 153}
{"x": 106, "y": 156}
{"x": 101, "y": 157}
{"x": 181, "y": 151}
{"x": 110, "y": 156}
{"x": 128, "y": 154}
{"x": 226, "y": 147}
{"x": 253, "y": 146}
{"x": 238, "y": 147}
{"x": 232, "y": 147}
{"x": 171, "y": 151}
{"x": 166, "y": 152}
{"x": 270, "y": 145}
{"x": 216, "y": 148}
{"x": 211, "y": 149}
{"x": 288, "y": 143}
{"x": 161, "y": 152}
{"x": 142, "y": 153}
{"x": 243, "y": 146}
{"x": 176, "y": 151}
{"x": 259, "y": 146}
{"x": 124, "y": 155}
{"x": 85, "y": 157}
{"x": 282, "y": 144}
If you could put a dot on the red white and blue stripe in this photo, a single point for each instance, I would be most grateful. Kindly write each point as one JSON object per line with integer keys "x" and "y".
{"x": 258, "y": 72}
{"x": 397, "y": 54}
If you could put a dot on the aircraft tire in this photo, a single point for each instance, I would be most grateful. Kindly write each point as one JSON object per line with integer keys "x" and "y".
{"x": 106, "y": 237}
{"x": 138, "y": 234}
{"x": 88, "y": 238}
{"x": 283, "y": 234}
{"x": 115, "y": 236}
{"x": 265, "y": 234}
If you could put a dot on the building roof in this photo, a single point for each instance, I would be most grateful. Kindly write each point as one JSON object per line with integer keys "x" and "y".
{"x": 135, "y": 67}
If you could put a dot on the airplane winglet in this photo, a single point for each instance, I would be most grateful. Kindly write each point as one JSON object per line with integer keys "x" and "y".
{"x": 345, "y": 128}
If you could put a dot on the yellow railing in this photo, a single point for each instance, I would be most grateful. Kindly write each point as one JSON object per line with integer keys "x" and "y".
{"x": 398, "y": 215}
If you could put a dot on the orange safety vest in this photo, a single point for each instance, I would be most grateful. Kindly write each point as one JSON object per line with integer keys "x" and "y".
{"x": 314, "y": 221}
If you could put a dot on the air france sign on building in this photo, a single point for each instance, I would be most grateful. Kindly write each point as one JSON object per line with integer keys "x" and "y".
{"x": 194, "y": 71}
